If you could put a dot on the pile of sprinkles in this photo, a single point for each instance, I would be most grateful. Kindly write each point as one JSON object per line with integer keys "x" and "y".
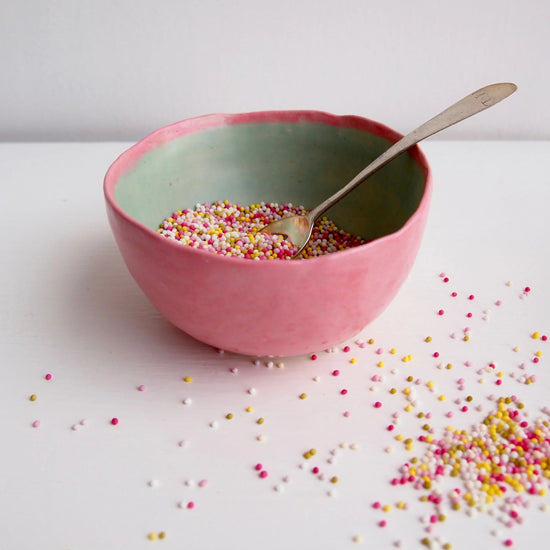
{"x": 234, "y": 230}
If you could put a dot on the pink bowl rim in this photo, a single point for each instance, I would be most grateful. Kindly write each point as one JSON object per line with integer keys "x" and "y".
{"x": 131, "y": 156}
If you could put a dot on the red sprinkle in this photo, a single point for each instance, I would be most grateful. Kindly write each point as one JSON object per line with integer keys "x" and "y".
{"x": 335, "y": 372}
{"x": 376, "y": 505}
{"x": 48, "y": 376}
{"x": 258, "y": 467}
{"x": 527, "y": 289}
{"x": 436, "y": 354}
{"x": 313, "y": 357}
{"x": 454, "y": 294}
{"x": 441, "y": 312}
{"x": 377, "y": 405}
{"x": 263, "y": 474}
{"x": 346, "y": 348}
{"x": 390, "y": 428}
{"x": 471, "y": 297}
{"x": 315, "y": 470}
{"x": 190, "y": 505}
{"x": 114, "y": 421}
{"x": 446, "y": 280}
{"x": 382, "y": 523}
{"x": 508, "y": 542}
{"x": 344, "y": 391}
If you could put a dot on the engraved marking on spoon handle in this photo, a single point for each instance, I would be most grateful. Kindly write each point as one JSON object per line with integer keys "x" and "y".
{"x": 470, "y": 105}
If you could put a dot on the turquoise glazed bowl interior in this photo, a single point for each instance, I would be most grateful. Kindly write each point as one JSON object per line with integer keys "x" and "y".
{"x": 300, "y": 157}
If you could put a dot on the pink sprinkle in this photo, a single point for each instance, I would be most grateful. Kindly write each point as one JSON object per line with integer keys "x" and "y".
{"x": 535, "y": 359}
{"x": 344, "y": 391}
{"x": 446, "y": 279}
{"x": 48, "y": 376}
{"x": 460, "y": 381}
{"x": 114, "y": 421}
{"x": 433, "y": 518}
{"x": 454, "y": 294}
{"x": 313, "y": 357}
{"x": 436, "y": 354}
{"x": 142, "y": 388}
{"x": 36, "y": 424}
{"x": 382, "y": 523}
{"x": 379, "y": 351}
{"x": 464, "y": 409}
{"x": 315, "y": 470}
{"x": 544, "y": 337}
{"x": 258, "y": 467}
{"x": 467, "y": 363}
{"x": 346, "y": 414}
{"x": 346, "y": 348}
{"x": 498, "y": 382}
{"x": 498, "y": 303}
{"x": 527, "y": 289}
{"x": 469, "y": 315}
{"x": 390, "y": 428}
{"x": 441, "y": 312}
{"x": 471, "y": 297}
{"x": 376, "y": 505}
{"x": 442, "y": 274}
{"x": 190, "y": 505}
{"x": 449, "y": 414}
{"x": 335, "y": 372}
{"x": 263, "y": 474}
{"x": 508, "y": 542}
{"x": 203, "y": 483}
{"x": 377, "y": 405}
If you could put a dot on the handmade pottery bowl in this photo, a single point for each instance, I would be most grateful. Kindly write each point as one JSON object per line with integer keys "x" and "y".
{"x": 270, "y": 307}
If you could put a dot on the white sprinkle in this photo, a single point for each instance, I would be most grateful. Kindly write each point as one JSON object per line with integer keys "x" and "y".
{"x": 316, "y": 378}
{"x": 153, "y": 483}
{"x": 214, "y": 424}
{"x": 252, "y": 391}
{"x": 234, "y": 370}
{"x": 183, "y": 443}
{"x": 187, "y": 401}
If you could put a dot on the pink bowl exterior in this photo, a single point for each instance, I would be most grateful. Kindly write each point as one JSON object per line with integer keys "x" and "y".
{"x": 269, "y": 308}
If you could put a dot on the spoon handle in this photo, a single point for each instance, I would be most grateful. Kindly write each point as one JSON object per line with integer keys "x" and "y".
{"x": 470, "y": 105}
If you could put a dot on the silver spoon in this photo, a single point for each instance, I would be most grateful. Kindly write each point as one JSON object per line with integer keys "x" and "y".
{"x": 298, "y": 228}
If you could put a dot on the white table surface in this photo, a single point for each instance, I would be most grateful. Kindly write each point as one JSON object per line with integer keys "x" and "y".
{"x": 70, "y": 308}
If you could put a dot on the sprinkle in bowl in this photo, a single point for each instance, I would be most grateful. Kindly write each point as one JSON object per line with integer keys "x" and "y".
{"x": 269, "y": 307}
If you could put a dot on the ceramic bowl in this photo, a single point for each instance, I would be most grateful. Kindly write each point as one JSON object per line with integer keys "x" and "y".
{"x": 274, "y": 307}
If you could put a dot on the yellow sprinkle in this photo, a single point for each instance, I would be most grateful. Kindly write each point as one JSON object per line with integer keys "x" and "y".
{"x": 260, "y": 421}
{"x": 449, "y": 366}
{"x": 410, "y": 378}
{"x": 442, "y": 398}
{"x": 538, "y": 353}
{"x": 334, "y": 479}
{"x": 353, "y": 360}
{"x": 303, "y": 395}
{"x": 33, "y": 397}
{"x": 229, "y": 416}
{"x": 386, "y": 508}
{"x": 380, "y": 363}
{"x": 371, "y": 341}
{"x": 162, "y": 535}
{"x": 313, "y": 452}
{"x": 466, "y": 337}
{"x": 399, "y": 437}
{"x": 393, "y": 390}
{"x": 408, "y": 408}
{"x": 393, "y": 351}
{"x": 188, "y": 379}
{"x": 407, "y": 391}
{"x": 152, "y": 536}
{"x": 430, "y": 384}
{"x": 535, "y": 335}
{"x": 249, "y": 409}
{"x": 428, "y": 339}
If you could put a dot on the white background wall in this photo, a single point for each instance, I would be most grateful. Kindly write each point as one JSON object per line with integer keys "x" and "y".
{"x": 118, "y": 69}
